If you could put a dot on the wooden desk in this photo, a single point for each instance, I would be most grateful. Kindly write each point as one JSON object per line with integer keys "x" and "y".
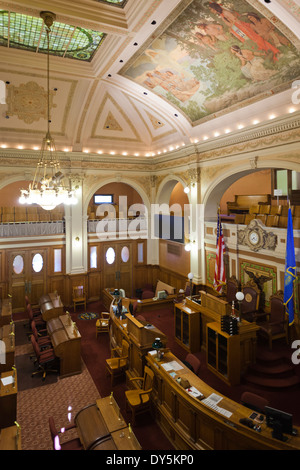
{"x": 211, "y": 310}
{"x": 7, "y": 335}
{"x": 192, "y": 425}
{"x": 51, "y": 306}
{"x": 145, "y": 305}
{"x": 66, "y": 344}
{"x": 8, "y": 401}
{"x": 10, "y": 438}
{"x": 101, "y": 426}
{"x": 6, "y": 312}
{"x": 139, "y": 335}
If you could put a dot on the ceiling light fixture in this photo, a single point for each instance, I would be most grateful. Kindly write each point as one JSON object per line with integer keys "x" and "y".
{"x": 47, "y": 188}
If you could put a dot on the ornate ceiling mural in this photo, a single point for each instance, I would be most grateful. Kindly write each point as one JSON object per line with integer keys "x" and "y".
{"x": 185, "y": 64}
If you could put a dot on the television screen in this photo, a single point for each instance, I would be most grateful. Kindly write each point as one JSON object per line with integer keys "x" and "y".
{"x": 103, "y": 199}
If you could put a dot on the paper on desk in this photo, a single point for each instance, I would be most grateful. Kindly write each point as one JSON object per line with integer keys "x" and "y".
{"x": 7, "y": 380}
{"x": 194, "y": 392}
{"x": 172, "y": 365}
{"x": 152, "y": 352}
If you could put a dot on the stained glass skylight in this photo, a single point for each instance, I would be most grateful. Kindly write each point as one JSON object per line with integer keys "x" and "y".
{"x": 27, "y": 32}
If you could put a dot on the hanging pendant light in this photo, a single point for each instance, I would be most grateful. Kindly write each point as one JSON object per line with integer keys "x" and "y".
{"x": 47, "y": 188}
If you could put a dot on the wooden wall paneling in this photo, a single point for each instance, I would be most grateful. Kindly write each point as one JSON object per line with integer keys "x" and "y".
{"x": 94, "y": 283}
{"x": 56, "y": 283}
{"x": 264, "y": 275}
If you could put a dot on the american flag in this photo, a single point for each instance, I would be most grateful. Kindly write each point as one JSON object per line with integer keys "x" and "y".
{"x": 220, "y": 274}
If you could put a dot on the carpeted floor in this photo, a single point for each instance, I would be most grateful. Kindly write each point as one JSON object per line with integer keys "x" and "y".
{"x": 37, "y": 400}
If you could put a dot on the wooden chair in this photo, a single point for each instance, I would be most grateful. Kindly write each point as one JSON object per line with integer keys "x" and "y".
{"x": 250, "y": 303}
{"x": 282, "y": 221}
{"x": 102, "y": 324}
{"x": 239, "y": 219}
{"x": 275, "y": 326}
{"x": 138, "y": 400}
{"x": 275, "y": 210}
{"x": 264, "y": 209}
{"x": 79, "y": 297}
{"x": 248, "y": 218}
{"x": 296, "y": 223}
{"x": 262, "y": 218}
{"x": 254, "y": 209}
{"x": 272, "y": 220}
{"x": 116, "y": 365}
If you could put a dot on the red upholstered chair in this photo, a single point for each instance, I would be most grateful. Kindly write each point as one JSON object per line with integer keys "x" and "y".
{"x": 42, "y": 339}
{"x": 73, "y": 444}
{"x": 275, "y": 326}
{"x": 147, "y": 294}
{"x": 45, "y": 359}
{"x": 255, "y": 402}
{"x": 194, "y": 362}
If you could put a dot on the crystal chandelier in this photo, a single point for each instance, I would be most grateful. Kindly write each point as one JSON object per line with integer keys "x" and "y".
{"x": 47, "y": 188}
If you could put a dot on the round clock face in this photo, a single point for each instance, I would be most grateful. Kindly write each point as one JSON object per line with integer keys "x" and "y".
{"x": 253, "y": 238}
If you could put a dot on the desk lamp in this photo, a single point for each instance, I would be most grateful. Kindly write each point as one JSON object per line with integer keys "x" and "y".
{"x": 157, "y": 344}
{"x": 240, "y": 297}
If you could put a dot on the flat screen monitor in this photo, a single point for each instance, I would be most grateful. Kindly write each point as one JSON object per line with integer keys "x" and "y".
{"x": 103, "y": 199}
{"x": 280, "y": 421}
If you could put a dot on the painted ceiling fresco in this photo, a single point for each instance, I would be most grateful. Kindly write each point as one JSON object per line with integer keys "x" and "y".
{"x": 185, "y": 64}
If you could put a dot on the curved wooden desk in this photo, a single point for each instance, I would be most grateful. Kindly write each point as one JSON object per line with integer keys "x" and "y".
{"x": 66, "y": 343}
{"x": 139, "y": 335}
{"x": 51, "y": 306}
{"x": 192, "y": 425}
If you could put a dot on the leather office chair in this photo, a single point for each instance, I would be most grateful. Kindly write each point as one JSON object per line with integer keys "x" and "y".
{"x": 194, "y": 362}
{"x": 255, "y": 402}
{"x": 250, "y": 303}
{"x": 79, "y": 296}
{"x": 116, "y": 365}
{"x": 102, "y": 324}
{"x": 45, "y": 359}
{"x": 41, "y": 337}
{"x": 232, "y": 287}
{"x": 38, "y": 319}
{"x": 275, "y": 326}
{"x": 138, "y": 400}
{"x": 73, "y": 444}
{"x": 147, "y": 294}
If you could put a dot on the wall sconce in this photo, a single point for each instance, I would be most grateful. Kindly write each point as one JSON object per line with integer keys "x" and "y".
{"x": 186, "y": 190}
{"x": 77, "y": 241}
{"x": 189, "y": 245}
{"x": 191, "y": 277}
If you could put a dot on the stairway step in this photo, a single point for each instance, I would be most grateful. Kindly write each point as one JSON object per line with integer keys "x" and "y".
{"x": 272, "y": 382}
{"x": 282, "y": 369}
